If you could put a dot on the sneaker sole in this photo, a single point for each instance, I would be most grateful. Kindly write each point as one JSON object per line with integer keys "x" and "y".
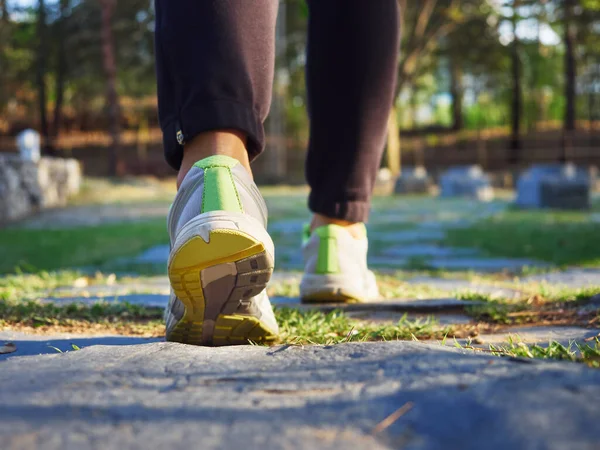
{"x": 211, "y": 277}
{"x": 331, "y": 296}
{"x": 329, "y": 289}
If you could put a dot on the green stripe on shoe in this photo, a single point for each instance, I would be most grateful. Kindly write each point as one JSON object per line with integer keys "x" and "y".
{"x": 327, "y": 261}
{"x": 217, "y": 161}
{"x": 220, "y": 192}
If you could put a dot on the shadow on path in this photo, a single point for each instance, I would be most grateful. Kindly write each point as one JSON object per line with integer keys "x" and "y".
{"x": 29, "y": 345}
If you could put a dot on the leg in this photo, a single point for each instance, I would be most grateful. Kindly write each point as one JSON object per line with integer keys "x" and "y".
{"x": 351, "y": 75}
{"x": 215, "y": 63}
{"x": 215, "y": 68}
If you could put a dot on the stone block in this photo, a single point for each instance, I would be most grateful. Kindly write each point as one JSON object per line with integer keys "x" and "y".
{"x": 557, "y": 186}
{"x": 29, "y": 145}
{"x": 413, "y": 180}
{"x": 384, "y": 183}
{"x": 27, "y": 186}
{"x": 594, "y": 178}
{"x": 466, "y": 181}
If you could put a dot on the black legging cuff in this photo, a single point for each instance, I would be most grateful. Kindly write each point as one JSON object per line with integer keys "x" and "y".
{"x": 202, "y": 116}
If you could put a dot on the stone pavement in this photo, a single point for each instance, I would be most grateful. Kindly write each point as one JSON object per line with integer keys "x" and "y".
{"x": 402, "y": 232}
{"x": 128, "y": 392}
{"x": 359, "y": 396}
{"x": 449, "y": 310}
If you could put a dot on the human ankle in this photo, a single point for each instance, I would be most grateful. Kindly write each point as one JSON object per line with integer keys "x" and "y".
{"x": 230, "y": 143}
{"x": 356, "y": 229}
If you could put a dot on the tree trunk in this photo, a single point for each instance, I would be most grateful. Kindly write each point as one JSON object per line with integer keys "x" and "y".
{"x": 456, "y": 91}
{"x": 394, "y": 162}
{"x": 592, "y": 116}
{"x": 112, "y": 97}
{"x": 41, "y": 78}
{"x": 517, "y": 103}
{"x": 61, "y": 68}
{"x": 4, "y": 10}
{"x": 570, "y": 79}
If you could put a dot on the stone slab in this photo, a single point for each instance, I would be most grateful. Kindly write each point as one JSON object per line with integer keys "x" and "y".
{"x": 428, "y": 251}
{"x": 413, "y": 180}
{"x": 393, "y": 317}
{"x": 398, "y": 305}
{"x": 27, "y": 187}
{"x": 447, "y": 224}
{"x": 484, "y": 264}
{"x": 431, "y": 305}
{"x": 451, "y": 285}
{"x": 387, "y": 262}
{"x": 466, "y": 181}
{"x": 154, "y": 255}
{"x": 416, "y": 235}
{"x": 158, "y": 284}
{"x": 560, "y": 186}
{"x": 541, "y": 335}
{"x": 94, "y": 215}
{"x": 293, "y": 226}
{"x": 575, "y": 278}
{"x": 148, "y": 300}
{"x": 298, "y": 397}
{"x": 35, "y": 344}
{"x": 474, "y": 264}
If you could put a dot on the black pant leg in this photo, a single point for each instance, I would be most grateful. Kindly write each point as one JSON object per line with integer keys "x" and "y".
{"x": 351, "y": 74}
{"x": 215, "y": 63}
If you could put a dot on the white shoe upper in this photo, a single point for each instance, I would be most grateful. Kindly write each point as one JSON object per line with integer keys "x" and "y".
{"x": 335, "y": 261}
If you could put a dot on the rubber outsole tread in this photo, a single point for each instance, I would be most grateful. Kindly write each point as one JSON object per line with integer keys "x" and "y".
{"x": 331, "y": 296}
{"x": 210, "y": 304}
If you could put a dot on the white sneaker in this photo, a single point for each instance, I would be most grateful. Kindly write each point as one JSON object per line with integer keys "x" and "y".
{"x": 336, "y": 267}
{"x": 221, "y": 258}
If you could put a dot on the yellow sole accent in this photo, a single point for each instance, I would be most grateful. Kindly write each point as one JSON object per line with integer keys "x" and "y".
{"x": 238, "y": 329}
{"x": 185, "y": 272}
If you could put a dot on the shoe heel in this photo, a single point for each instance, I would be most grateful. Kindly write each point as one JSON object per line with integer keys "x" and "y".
{"x": 212, "y": 278}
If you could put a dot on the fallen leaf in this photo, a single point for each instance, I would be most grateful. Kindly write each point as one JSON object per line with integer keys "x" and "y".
{"x": 9, "y": 347}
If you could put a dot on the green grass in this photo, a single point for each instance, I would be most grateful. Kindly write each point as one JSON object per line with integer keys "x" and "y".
{"x": 19, "y": 286}
{"x": 315, "y": 327}
{"x": 561, "y": 238}
{"x": 123, "y": 191}
{"x": 34, "y": 250}
{"x": 37, "y": 313}
{"x": 297, "y": 327}
{"x": 588, "y": 354}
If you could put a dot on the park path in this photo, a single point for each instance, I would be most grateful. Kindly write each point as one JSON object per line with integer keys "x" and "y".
{"x": 135, "y": 392}
{"x": 401, "y": 231}
{"x": 360, "y": 396}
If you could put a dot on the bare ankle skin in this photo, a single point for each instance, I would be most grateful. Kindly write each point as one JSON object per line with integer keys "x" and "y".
{"x": 230, "y": 143}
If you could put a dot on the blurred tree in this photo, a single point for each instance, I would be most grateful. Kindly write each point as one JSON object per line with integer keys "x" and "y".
{"x": 423, "y": 25}
{"x": 110, "y": 72}
{"x": 472, "y": 49}
{"x": 517, "y": 90}
{"x": 570, "y": 76}
{"x": 61, "y": 66}
{"x": 5, "y": 29}
{"x": 41, "y": 77}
